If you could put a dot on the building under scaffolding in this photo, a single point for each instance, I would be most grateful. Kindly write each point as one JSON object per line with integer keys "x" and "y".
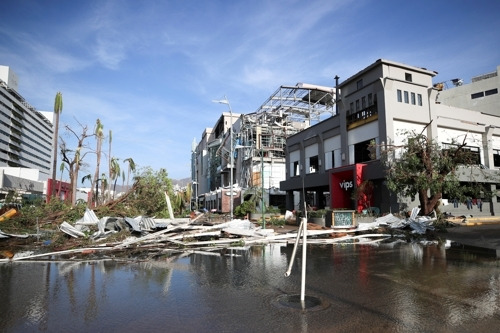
{"x": 259, "y": 140}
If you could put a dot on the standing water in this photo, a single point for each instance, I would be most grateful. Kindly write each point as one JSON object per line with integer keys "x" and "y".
{"x": 407, "y": 288}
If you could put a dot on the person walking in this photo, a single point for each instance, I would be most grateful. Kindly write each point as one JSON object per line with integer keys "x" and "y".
{"x": 469, "y": 203}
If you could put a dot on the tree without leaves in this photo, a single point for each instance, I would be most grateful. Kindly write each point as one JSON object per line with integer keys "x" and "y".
{"x": 426, "y": 170}
{"x": 99, "y": 134}
{"x": 61, "y": 169}
{"x": 58, "y": 106}
{"x": 110, "y": 139}
{"x": 73, "y": 159}
{"x": 114, "y": 173}
{"x": 131, "y": 168}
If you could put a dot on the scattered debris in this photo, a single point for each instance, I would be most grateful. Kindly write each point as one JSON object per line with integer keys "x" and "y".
{"x": 193, "y": 235}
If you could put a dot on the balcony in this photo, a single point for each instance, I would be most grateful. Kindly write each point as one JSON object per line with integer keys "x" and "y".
{"x": 364, "y": 116}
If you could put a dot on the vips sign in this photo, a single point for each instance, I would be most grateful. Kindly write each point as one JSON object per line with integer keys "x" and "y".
{"x": 346, "y": 185}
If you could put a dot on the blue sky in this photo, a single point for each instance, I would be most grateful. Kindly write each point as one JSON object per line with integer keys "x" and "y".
{"x": 149, "y": 70}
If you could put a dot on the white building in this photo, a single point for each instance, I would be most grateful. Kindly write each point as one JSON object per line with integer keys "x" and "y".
{"x": 328, "y": 160}
{"x": 26, "y": 134}
{"x": 481, "y": 94}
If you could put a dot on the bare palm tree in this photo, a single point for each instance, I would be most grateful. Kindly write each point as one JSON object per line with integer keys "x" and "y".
{"x": 131, "y": 168}
{"x": 98, "y": 132}
{"x": 58, "y": 106}
{"x": 61, "y": 169}
{"x": 110, "y": 138}
{"x": 115, "y": 172}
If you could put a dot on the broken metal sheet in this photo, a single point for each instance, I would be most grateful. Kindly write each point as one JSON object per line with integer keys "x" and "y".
{"x": 134, "y": 223}
{"x": 414, "y": 213}
{"x": 89, "y": 218}
{"x": 6, "y": 235}
{"x": 70, "y": 230}
{"x": 387, "y": 219}
{"x": 147, "y": 223}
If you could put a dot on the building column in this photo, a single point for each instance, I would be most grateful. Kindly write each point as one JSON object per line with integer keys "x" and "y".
{"x": 494, "y": 205}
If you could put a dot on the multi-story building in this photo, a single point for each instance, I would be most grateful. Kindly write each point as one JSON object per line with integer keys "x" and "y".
{"x": 258, "y": 148}
{"x": 327, "y": 161}
{"x": 481, "y": 94}
{"x": 210, "y": 165}
{"x": 25, "y": 138}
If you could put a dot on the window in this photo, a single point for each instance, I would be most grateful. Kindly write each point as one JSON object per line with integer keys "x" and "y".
{"x": 359, "y": 84}
{"x": 419, "y": 97}
{"x": 469, "y": 155}
{"x": 357, "y": 105}
{"x": 296, "y": 168}
{"x": 491, "y": 92}
{"x": 333, "y": 158}
{"x": 406, "y": 98}
{"x": 363, "y": 102}
{"x": 313, "y": 164}
{"x": 477, "y": 95}
{"x": 408, "y": 77}
{"x": 351, "y": 107}
{"x": 413, "y": 98}
{"x": 400, "y": 96}
{"x": 362, "y": 152}
{"x": 370, "y": 99}
{"x": 496, "y": 158}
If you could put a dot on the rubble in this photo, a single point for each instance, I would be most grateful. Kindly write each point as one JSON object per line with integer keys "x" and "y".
{"x": 190, "y": 235}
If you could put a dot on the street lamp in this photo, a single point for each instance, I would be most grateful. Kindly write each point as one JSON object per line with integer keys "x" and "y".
{"x": 226, "y": 101}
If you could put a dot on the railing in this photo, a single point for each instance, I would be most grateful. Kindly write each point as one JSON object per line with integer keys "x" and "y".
{"x": 362, "y": 115}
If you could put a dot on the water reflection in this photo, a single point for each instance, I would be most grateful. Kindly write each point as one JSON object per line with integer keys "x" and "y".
{"x": 408, "y": 287}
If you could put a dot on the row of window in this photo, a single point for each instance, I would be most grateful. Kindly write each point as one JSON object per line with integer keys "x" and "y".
{"x": 484, "y": 93}
{"x": 363, "y": 153}
{"x": 25, "y": 138}
{"x": 409, "y": 97}
{"x": 369, "y": 100}
{"x": 34, "y": 117}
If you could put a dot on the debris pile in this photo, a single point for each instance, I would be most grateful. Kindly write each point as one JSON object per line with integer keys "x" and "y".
{"x": 192, "y": 234}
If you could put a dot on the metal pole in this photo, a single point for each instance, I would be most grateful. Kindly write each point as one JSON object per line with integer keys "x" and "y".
{"x": 263, "y": 210}
{"x": 292, "y": 258}
{"x": 231, "y": 160}
{"x": 304, "y": 256}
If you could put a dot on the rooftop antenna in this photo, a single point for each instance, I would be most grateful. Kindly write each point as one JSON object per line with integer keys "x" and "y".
{"x": 457, "y": 82}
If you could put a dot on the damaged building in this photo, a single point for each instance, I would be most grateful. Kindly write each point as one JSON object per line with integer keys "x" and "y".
{"x": 258, "y": 148}
{"x": 328, "y": 162}
{"x": 311, "y": 145}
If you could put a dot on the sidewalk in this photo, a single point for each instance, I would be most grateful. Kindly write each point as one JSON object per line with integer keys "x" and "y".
{"x": 486, "y": 235}
{"x": 478, "y": 232}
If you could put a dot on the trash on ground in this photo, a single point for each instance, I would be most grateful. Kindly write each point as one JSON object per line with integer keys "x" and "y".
{"x": 198, "y": 234}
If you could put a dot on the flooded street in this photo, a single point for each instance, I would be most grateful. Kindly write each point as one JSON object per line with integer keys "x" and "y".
{"x": 404, "y": 288}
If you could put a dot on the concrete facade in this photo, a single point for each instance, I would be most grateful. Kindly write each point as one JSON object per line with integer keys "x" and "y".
{"x": 26, "y": 134}
{"x": 378, "y": 104}
{"x": 481, "y": 94}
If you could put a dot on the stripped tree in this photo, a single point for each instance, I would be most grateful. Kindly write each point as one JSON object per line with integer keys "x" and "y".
{"x": 58, "y": 106}
{"x": 98, "y": 132}
{"x": 74, "y": 158}
{"x": 131, "y": 168}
